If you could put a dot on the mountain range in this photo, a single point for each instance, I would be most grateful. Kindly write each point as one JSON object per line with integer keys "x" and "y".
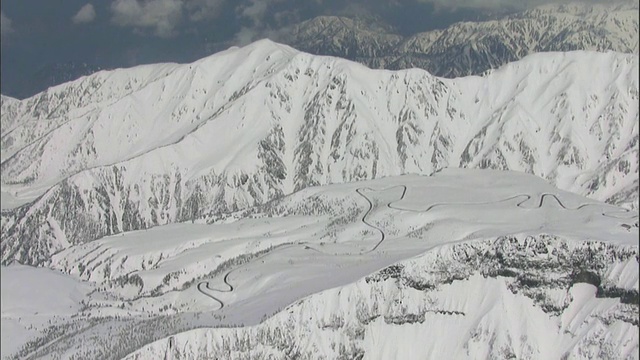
{"x": 130, "y": 149}
{"x": 470, "y": 48}
{"x": 464, "y": 48}
{"x": 265, "y": 202}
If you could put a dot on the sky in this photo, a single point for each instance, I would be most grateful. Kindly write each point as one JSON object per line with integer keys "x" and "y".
{"x": 123, "y": 33}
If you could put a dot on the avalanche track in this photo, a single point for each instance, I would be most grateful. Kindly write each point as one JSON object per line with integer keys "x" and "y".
{"x": 205, "y": 286}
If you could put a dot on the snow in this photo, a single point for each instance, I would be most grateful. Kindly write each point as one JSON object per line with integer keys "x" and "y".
{"x": 9, "y": 201}
{"x": 13, "y": 197}
{"x": 474, "y": 318}
{"x": 164, "y": 143}
{"x": 242, "y": 138}
{"x": 262, "y": 287}
{"x": 31, "y": 297}
{"x": 56, "y": 292}
{"x": 315, "y": 241}
{"x": 234, "y": 92}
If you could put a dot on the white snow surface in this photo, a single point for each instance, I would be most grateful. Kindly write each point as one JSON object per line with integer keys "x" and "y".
{"x": 324, "y": 245}
{"x": 476, "y": 318}
{"x": 33, "y": 297}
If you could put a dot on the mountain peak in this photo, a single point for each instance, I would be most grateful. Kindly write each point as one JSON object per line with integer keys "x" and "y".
{"x": 251, "y": 124}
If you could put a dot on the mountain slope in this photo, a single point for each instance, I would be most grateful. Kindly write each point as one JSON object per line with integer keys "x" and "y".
{"x": 473, "y": 47}
{"x": 380, "y": 317}
{"x": 344, "y": 37}
{"x": 477, "y": 263}
{"x": 135, "y": 148}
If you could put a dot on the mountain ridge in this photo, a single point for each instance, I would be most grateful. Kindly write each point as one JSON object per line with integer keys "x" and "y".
{"x": 470, "y": 48}
{"x": 461, "y": 49}
{"x": 291, "y": 120}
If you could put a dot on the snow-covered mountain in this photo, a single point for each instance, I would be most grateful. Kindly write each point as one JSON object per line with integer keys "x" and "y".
{"x": 466, "y": 263}
{"x": 468, "y": 48}
{"x": 130, "y": 149}
{"x": 359, "y": 39}
{"x": 469, "y": 313}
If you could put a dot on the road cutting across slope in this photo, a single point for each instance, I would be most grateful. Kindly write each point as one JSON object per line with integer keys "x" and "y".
{"x": 206, "y": 288}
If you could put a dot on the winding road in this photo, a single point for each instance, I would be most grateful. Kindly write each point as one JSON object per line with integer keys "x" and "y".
{"x": 526, "y": 197}
{"x": 364, "y": 217}
{"x": 205, "y": 287}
